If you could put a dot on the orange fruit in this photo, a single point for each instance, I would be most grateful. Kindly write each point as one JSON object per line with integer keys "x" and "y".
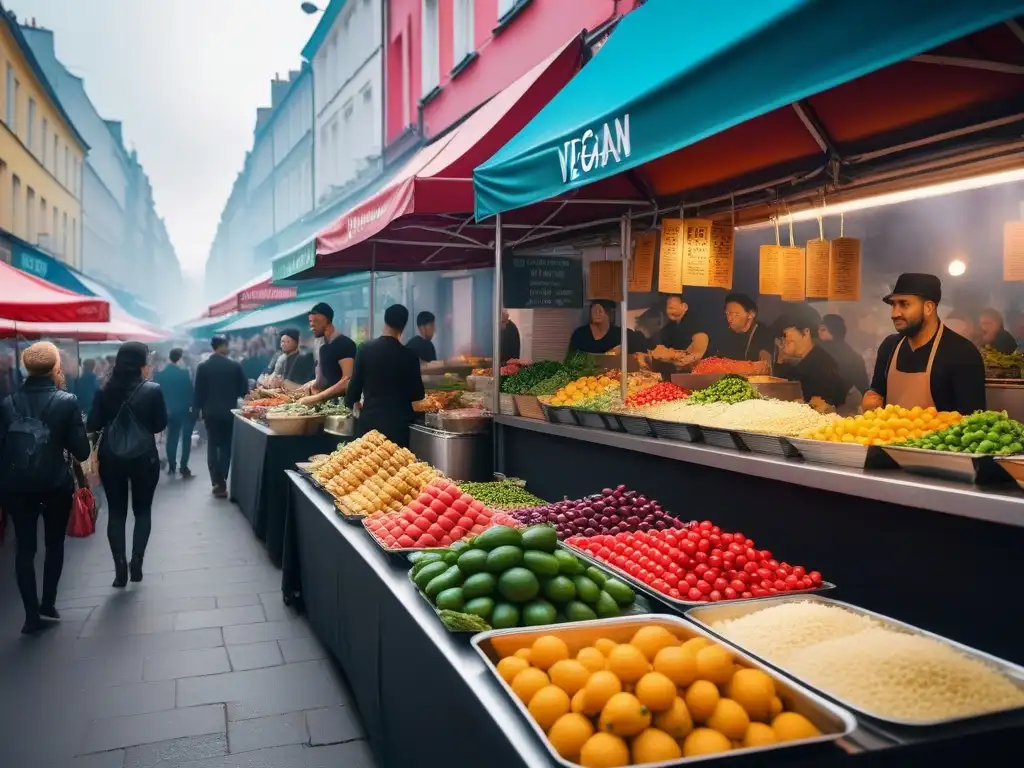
{"x": 677, "y": 665}
{"x": 592, "y": 659}
{"x": 624, "y": 715}
{"x": 759, "y": 735}
{"x": 547, "y": 705}
{"x": 694, "y": 644}
{"x": 701, "y": 699}
{"x": 753, "y": 690}
{"x": 776, "y": 706}
{"x": 789, "y": 726}
{"x": 676, "y": 720}
{"x": 578, "y": 702}
{"x": 569, "y": 675}
{"x": 603, "y": 750}
{"x": 604, "y": 645}
{"x": 655, "y": 691}
{"x": 651, "y": 639}
{"x": 546, "y": 650}
{"x": 654, "y": 746}
{"x": 569, "y": 734}
{"x": 729, "y": 718}
{"x": 714, "y": 664}
{"x": 599, "y": 689}
{"x": 628, "y": 663}
{"x": 528, "y": 682}
{"x": 524, "y": 654}
{"x": 705, "y": 741}
{"x": 511, "y": 666}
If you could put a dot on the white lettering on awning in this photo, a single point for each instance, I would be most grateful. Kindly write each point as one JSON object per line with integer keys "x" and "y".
{"x": 594, "y": 149}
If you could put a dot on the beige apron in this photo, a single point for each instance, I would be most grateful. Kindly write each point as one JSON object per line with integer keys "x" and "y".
{"x": 910, "y": 389}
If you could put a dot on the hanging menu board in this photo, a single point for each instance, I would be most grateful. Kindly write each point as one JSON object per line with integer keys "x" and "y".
{"x": 818, "y": 257}
{"x": 670, "y": 266}
{"x": 792, "y": 273}
{"x": 604, "y": 280}
{"x": 844, "y": 270}
{"x": 707, "y": 253}
{"x": 1013, "y": 251}
{"x": 723, "y": 254}
{"x": 770, "y": 259}
{"x": 532, "y": 282}
{"x": 641, "y": 266}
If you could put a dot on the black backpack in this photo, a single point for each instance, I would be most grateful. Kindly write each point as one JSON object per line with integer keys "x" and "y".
{"x": 24, "y": 451}
{"x": 124, "y": 437}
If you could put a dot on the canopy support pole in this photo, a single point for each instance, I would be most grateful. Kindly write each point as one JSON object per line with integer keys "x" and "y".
{"x": 496, "y": 331}
{"x": 373, "y": 287}
{"x": 625, "y": 225}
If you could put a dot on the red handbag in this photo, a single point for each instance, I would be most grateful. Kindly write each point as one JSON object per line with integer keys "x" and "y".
{"x": 82, "y": 522}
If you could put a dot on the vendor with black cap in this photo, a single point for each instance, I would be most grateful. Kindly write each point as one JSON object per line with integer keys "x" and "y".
{"x": 925, "y": 363}
{"x": 292, "y": 365}
{"x": 823, "y": 386}
{"x": 335, "y": 356}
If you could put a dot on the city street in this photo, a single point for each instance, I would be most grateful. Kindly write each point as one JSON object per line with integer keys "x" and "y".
{"x": 199, "y": 666}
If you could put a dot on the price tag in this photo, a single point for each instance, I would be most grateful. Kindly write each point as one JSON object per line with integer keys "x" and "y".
{"x": 769, "y": 270}
{"x": 793, "y": 273}
{"x": 670, "y": 265}
{"x": 1013, "y": 251}
{"x": 723, "y": 255}
{"x": 844, "y": 270}
{"x": 604, "y": 280}
{"x": 696, "y": 251}
{"x": 818, "y": 256}
{"x": 641, "y": 266}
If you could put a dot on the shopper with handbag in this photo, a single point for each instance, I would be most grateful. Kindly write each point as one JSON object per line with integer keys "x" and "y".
{"x": 38, "y": 424}
{"x": 127, "y": 414}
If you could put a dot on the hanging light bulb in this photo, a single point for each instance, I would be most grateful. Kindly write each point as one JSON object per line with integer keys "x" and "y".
{"x": 957, "y": 267}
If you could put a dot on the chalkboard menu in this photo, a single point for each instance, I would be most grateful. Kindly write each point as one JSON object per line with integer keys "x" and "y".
{"x": 535, "y": 282}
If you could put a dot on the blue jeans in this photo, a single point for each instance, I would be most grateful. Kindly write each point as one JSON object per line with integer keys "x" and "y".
{"x": 179, "y": 427}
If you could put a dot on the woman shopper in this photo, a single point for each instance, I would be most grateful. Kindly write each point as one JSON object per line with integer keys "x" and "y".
{"x": 128, "y": 413}
{"x": 37, "y": 425}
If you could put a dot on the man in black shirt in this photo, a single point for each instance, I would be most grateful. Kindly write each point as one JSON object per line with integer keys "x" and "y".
{"x": 925, "y": 363}
{"x": 680, "y": 339}
{"x": 994, "y": 333}
{"x": 335, "y": 358}
{"x": 220, "y": 382}
{"x": 814, "y": 368}
{"x": 421, "y": 344}
{"x": 387, "y": 379}
{"x": 509, "y": 348}
{"x": 746, "y": 339}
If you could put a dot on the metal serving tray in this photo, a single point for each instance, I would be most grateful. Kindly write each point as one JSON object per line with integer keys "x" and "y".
{"x": 590, "y": 419}
{"x": 612, "y": 423}
{"x": 674, "y": 430}
{"x": 678, "y": 604}
{"x": 706, "y": 615}
{"x": 722, "y": 438}
{"x": 1013, "y": 466}
{"x": 772, "y": 445}
{"x": 635, "y": 425}
{"x": 559, "y": 414}
{"x": 962, "y": 467}
{"x": 849, "y": 455}
{"x": 833, "y": 722}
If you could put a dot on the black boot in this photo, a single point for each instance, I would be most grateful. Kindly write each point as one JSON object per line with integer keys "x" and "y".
{"x": 135, "y": 568}
{"x": 120, "y": 572}
{"x": 49, "y": 612}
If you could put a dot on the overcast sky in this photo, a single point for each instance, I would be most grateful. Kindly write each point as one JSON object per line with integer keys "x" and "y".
{"x": 185, "y": 78}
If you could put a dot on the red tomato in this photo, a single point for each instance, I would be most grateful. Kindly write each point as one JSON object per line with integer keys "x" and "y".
{"x": 704, "y": 545}
{"x": 693, "y": 536}
{"x": 730, "y": 593}
{"x": 727, "y": 538}
{"x": 619, "y": 549}
{"x": 792, "y": 582}
{"x": 799, "y": 571}
{"x": 750, "y": 567}
{"x": 406, "y": 541}
{"x": 659, "y": 569}
{"x": 758, "y": 592}
{"x": 701, "y": 557}
{"x": 739, "y": 537}
{"x": 720, "y": 584}
{"x": 457, "y": 533}
{"x": 700, "y": 569}
{"x": 715, "y": 561}
{"x": 715, "y": 539}
{"x": 738, "y": 585}
{"x": 741, "y": 560}
{"x": 691, "y": 579}
{"x": 674, "y": 593}
{"x": 780, "y": 585}
{"x": 714, "y": 596}
{"x": 693, "y": 593}
{"x": 773, "y": 563}
{"x": 446, "y": 523}
{"x": 703, "y": 587}
{"x": 815, "y": 578}
{"x": 746, "y": 595}
{"x": 671, "y": 579}
{"x": 660, "y": 585}
{"x": 705, "y": 525}
{"x": 619, "y": 561}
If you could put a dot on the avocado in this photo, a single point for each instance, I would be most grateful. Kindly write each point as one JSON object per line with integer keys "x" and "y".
{"x": 538, "y": 612}
{"x": 428, "y": 572}
{"x": 451, "y": 599}
{"x": 567, "y": 563}
{"x": 541, "y": 563}
{"x": 452, "y": 577}
{"x": 606, "y": 607}
{"x": 620, "y": 592}
{"x": 451, "y": 557}
{"x": 518, "y": 585}
{"x": 479, "y": 585}
{"x": 540, "y": 537}
{"x": 504, "y": 616}
{"x": 472, "y": 561}
{"x": 504, "y": 557}
{"x": 596, "y": 575}
{"x": 480, "y": 606}
{"x": 498, "y": 536}
{"x": 577, "y": 611}
{"x": 559, "y": 589}
{"x": 586, "y": 590}
{"x": 458, "y": 546}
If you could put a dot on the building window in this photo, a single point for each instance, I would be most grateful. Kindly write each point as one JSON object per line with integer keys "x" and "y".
{"x": 15, "y": 204}
{"x": 30, "y": 214}
{"x": 17, "y": 97}
{"x": 56, "y": 155}
{"x": 74, "y": 241}
{"x": 53, "y": 231}
{"x": 42, "y": 215}
{"x": 430, "y": 65}
{"x": 463, "y": 37}
{"x": 9, "y": 115}
{"x": 64, "y": 236}
{"x": 67, "y": 167}
{"x": 30, "y": 133}
{"x": 46, "y": 143}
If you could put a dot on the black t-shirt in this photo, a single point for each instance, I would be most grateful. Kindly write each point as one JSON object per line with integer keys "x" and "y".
{"x": 678, "y": 335}
{"x": 341, "y": 347}
{"x": 958, "y": 373}
{"x": 509, "y": 348}
{"x": 1004, "y": 342}
{"x": 734, "y": 346}
{"x": 818, "y": 375}
{"x": 851, "y": 364}
{"x": 582, "y": 340}
{"x": 424, "y": 348}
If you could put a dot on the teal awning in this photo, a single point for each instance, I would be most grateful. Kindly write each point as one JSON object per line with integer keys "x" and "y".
{"x": 673, "y": 74}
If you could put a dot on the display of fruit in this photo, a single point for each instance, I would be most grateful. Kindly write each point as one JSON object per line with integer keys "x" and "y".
{"x": 585, "y": 387}
{"x": 524, "y": 378}
{"x": 727, "y": 365}
{"x": 664, "y": 392}
{"x": 440, "y": 515}
{"x": 731, "y": 388}
{"x": 501, "y": 494}
{"x": 882, "y": 426}
{"x": 652, "y": 699}
{"x": 981, "y": 433}
{"x": 700, "y": 564}
{"x": 612, "y": 511}
{"x": 511, "y": 577}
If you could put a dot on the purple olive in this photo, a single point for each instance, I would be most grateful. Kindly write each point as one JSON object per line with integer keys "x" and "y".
{"x": 641, "y": 499}
{"x": 607, "y": 491}
{"x": 560, "y": 518}
{"x": 614, "y": 529}
{"x": 571, "y": 514}
{"x": 590, "y": 532}
{"x": 620, "y": 488}
{"x": 633, "y": 521}
{"x": 614, "y": 519}
{"x": 645, "y": 526}
{"x": 660, "y": 525}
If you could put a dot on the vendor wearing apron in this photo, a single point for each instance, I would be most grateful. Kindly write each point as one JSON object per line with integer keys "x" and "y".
{"x": 925, "y": 363}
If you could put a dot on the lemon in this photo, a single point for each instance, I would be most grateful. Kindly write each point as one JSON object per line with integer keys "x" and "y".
{"x": 654, "y": 746}
{"x": 547, "y": 705}
{"x": 578, "y": 702}
{"x": 603, "y": 750}
{"x": 569, "y": 675}
{"x": 592, "y": 659}
{"x": 753, "y": 690}
{"x": 511, "y": 666}
{"x": 729, "y": 718}
{"x": 546, "y": 650}
{"x": 714, "y": 664}
{"x": 759, "y": 735}
{"x": 655, "y": 691}
{"x": 701, "y": 699}
{"x": 651, "y": 639}
{"x": 705, "y": 741}
{"x": 605, "y": 646}
{"x": 624, "y": 715}
{"x": 789, "y": 726}
{"x": 676, "y": 720}
{"x": 600, "y": 687}
{"x": 528, "y": 682}
{"x": 628, "y": 663}
{"x": 569, "y": 733}
{"x": 677, "y": 665}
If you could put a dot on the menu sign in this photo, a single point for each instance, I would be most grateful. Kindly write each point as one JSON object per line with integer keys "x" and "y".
{"x": 531, "y": 282}
{"x": 641, "y": 266}
{"x": 792, "y": 273}
{"x": 670, "y": 267}
{"x": 723, "y": 253}
{"x": 844, "y": 270}
{"x": 604, "y": 280}
{"x": 696, "y": 251}
{"x": 769, "y": 270}
{"x": 818, "y": 257}
{"x": 1013, "y": 251}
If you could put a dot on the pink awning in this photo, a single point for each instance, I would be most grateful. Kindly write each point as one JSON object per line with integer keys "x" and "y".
{"x": 252, "y": 295}
{"x": 24, "y": 297}
{"x": 114, "y": 330}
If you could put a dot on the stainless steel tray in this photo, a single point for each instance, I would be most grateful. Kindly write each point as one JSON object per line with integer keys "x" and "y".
{"x": 678, "y": 604}
{"x": 341, "y": 426}
{"x": 1013, "y": 466}
{"x": 962, "y": 467}
{"x": 612, "y": 423}
{"x": 849, "y": 455}
{"x": 833, "y": 722}
{"x": 772, "y": 445}
{"x": 559, "y": 414}
{"x": 674, "y": 430}
{"x": 591, "y": 419}
{"x": 722, "y": 438}
{"x": 706, "y": 615}
{"x": 635, "y": 425}
{"x": 468, "y": 425}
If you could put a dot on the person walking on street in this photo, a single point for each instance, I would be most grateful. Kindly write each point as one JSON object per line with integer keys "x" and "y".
{"x": 176, "y": 383}
{"x": 220, "y": 382}
{"x": 38, "y": 425}
{"x": 87, "y": 385}
{"x": 128, "y": 413}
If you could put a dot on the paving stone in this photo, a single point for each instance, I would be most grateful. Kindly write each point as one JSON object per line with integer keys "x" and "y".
{"x": 131, "y": 624}
{"x": 265, "y": 732}
{"x": 175, "y": 664}
{"x": 130, "y": 731}
{"x": 278, "y": 757}
{"x": 254, "y": 656}
{"x": 171, "y": 754}
{"x": 333, "y": 725}
{"x": 234, "y": 601}
{"x": 279, "y": 611}
{"x": 220, "y": 617}
{"x": 353, "y": 754}
{"x": 121, "y": 700}
{"x": 234, "y": 574}
{"x": 268, "y": 630}
{"x": 144, "y": 645}
{"x": 113, "y": 759}
{"x": 302, "y": 649}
